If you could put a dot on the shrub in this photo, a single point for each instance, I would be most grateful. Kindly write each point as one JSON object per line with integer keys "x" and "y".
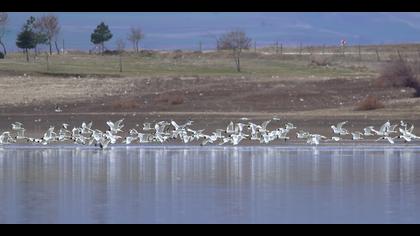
{"x": 178, "y": 54}
{"x": 320, "y": 61}
{"x": 125, "y": 104}
{"x": 369, "y": 103}
{"x": 399, "y": 73}
{"x": 176, "y": 99}
{"x": 147, "y": 53}
{"x": 173, "y": 98}
{"x": 1, "y": 55}
{"x": 111, "y": 52}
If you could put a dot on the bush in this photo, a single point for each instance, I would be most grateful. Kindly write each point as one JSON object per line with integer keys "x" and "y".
{"x": 173, "y": 98}
{"x": 1, "y": 55}
{"x": 147, "y": 53}
{"x": 126, "y": 104}
{"x": 111, "y": 52}
{"x": 399, "y": 73}
{"x": 369, "y": 103}
{"x": 178, "y": 54}
{"x": 320, "y": 61}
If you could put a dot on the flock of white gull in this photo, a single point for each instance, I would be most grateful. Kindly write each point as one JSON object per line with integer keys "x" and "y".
{"x": 234, "y": 133}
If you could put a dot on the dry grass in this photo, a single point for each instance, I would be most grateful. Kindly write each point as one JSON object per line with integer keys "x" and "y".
{"x": 369, "y": 103}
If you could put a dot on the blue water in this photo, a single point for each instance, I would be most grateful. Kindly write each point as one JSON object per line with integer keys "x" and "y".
{"x": 186, "y": 30}
{"x": 184, "y": 184}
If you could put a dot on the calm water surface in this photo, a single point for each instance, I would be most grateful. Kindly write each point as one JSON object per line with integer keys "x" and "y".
{"x": 180, "y": 184}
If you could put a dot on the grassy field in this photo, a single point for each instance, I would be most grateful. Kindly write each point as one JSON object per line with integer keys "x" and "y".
{"x": 173, "y": 64}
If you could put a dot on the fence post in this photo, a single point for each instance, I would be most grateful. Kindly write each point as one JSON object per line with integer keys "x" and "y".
{"x": 300, "y": 49}
{"x": 281, "y": 49}
{"x": 399, "y": 55}
{"x": 121, "y": 68}
{"x": 377, "y": 54}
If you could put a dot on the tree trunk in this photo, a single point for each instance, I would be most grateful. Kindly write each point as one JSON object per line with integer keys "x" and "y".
{"x": 137, "y": 47}
{"x": 56, "y": 47}
{"x": 4, "y": 47}
{"x": 102, "y": 48}
{"x": 27, "y": 54}
{"x": 238, "y": 64}
{"x": 49, "y": 43}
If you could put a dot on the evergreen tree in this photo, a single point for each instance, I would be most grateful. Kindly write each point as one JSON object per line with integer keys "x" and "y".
{"x": 100, "y": 35}
{"x": 27, "y": 38}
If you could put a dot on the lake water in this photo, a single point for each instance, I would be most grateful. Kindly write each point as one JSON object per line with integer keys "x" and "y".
{"x": 185, "y": 184}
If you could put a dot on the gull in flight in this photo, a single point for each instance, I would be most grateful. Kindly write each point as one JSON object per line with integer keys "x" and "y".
{"x": 230, "y": 129}
{"x": 115, "y": 127}
{"x": 147, "y": 126}
{"x": 302, "y": 134}
{"x": 336, "y": 139}
{"x": 263, "y": 127}
{"x": 164, "y": 131}
{"x": 6, "y": 138}
{"x": 339, "y": 129}
{"x": 356, "y": 135}
{"x": 389, "y": 139}
{"x": 20, "y": 131}
{"x": 315, "y": 138}
{"x": 383, "y": 130}
{"x": 368, "y": 131}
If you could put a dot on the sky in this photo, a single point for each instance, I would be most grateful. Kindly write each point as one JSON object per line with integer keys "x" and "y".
{"x": 180, "y": 30}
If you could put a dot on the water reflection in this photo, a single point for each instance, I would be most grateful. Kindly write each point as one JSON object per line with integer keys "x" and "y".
{"x": 210, "y": 184}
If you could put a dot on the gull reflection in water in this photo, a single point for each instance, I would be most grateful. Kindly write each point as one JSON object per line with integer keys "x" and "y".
{"x": 179, "y": 184}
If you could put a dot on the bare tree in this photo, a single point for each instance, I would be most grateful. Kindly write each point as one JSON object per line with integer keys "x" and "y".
{"x": 3, "y": 22}
{"x": 120, "y": 48}
{"x": 50, "y": 27}
{"x": 235, "y": 40}
{"x": 120, "y": 45}
{"x": 135, "y": 36}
